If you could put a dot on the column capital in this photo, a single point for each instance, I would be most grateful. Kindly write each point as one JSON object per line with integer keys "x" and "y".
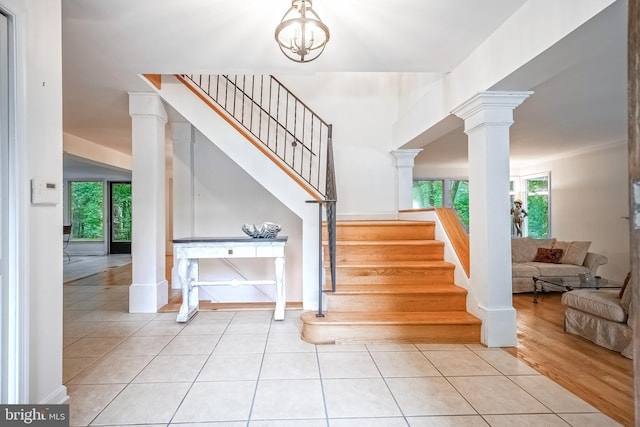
{"x": 181, "y": 132}
{"x": 404, "y": 157}
{"x": 145, "y": 104}
{"x": 490, "y": 108}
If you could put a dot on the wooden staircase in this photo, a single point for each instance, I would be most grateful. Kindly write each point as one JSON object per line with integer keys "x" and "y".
{"x": 392, "y": 285}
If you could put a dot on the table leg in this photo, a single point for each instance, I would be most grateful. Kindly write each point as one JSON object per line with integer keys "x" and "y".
{"x": 188, "y": 273}
{"x": 280, "y": 290}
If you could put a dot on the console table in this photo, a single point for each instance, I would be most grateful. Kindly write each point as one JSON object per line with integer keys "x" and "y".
{"x": 188, "y": 250}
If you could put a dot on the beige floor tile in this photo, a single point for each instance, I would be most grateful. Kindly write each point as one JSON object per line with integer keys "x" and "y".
{"x": 428, "y": 396}
{"x": 261, "y": 314}
{"x": 526, "y": 420}
{"x": 216, "y": 401}
{"x": 143, "y": 403}
{"x": 448, "y": 421}
{"x": 73, "y": 315}
{"x": 231, "y": 367}
{"x": 368, "y": 422}
{"x": 356, "y": 364}
{"x": 125, "y": 316}
{"x": 112, "y": 370}
{"x": 160, "y": 327}
{"x": 191, "y": 344}
{"x": 141, "y": 346}
{"x": 100, "y": 316}
{"x": 86, "y": 401}
{"x": 589, "y": 420}
{"x": 288, "y": 423}
{"x": 340, "y": 348}
{"x": 219, "y": 424}
{"x": 459, "y": 363}
{"x": 115, "y": 329}
{"x": 288, "y": 343}
{"x": 290, "y": 324}
{"x": 404, "y": 364}
{"x": 482, "y": 347}
{"x": 282, "y": 366}
{"x": 78, "y": 329}
{"x": 552, "y": 395}
{"x": 359, "y": 398}
{"x": 202, "y": 326}
{"x": 442, "y": 347}
{"x": 241, "y": 344}
{"x": 66, "y": 342}
{"x": 73, "y": 366}
{"x": 92, "y": 347}
{"x": 211, "y": 315}
{"x": 288, "y": 399}
{"x": 182, "y": 368}
{"x": 506, "y": 363}
{"x": 392, "y": 347}
{"x": 248, "y": 325}
{"x": 496, "y": 395}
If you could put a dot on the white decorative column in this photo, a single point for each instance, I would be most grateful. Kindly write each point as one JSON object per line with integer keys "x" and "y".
{"x": 404, "y": 175}
{"x": 149, "y": 288}
{"x": 183, "y": 138}
{"x": 487, "y": 118}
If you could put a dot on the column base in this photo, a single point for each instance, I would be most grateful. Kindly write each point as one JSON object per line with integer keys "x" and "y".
{"x": 499, "y": 327}
{"x": 148, "y": 297}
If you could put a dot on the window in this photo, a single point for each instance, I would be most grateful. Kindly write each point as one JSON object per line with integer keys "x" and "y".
{"x": 533, "y": 191}
{"x": 450, "y": 193}
{"x": 87, "y": 210}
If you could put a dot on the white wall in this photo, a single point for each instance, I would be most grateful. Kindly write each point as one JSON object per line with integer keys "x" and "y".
{"x": 589, "y": 197}
{"x": 225, "y": 198}
{"x": 362, "y": 108}
{"x": 39, "y": 133}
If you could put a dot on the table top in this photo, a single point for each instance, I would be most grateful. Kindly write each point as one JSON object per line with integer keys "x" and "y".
{"x": 579, "y": 282}
{"x": 243, "y": 239}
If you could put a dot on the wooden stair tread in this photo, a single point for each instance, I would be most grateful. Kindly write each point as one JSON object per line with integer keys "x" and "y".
{"x": 440, "y": 288}
{"x": 369, "y": 223}
{"x": 393, "y": 318}
{"x": 412, "y": 242}
{"x": 394, "y": 264}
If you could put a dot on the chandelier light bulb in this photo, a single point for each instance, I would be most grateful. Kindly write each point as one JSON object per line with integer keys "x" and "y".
{"x": 301, "y": 35}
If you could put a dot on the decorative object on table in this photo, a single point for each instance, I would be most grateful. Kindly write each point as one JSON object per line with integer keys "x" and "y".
{"x": 266, "y": 230}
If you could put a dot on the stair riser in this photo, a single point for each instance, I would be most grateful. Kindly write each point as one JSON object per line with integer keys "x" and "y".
{"x": 431, "y": 252}
{"x": 394, "y": 302}
{"x": 355, "y": 334}
{"x": 390, "y": 276}
{"x": 421, "y": 231}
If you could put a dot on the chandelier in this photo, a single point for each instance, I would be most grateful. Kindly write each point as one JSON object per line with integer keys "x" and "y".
{"x": 301, "y": 34}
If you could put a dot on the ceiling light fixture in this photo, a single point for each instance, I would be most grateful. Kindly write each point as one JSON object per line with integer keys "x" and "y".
{"x": 301, "y": 34}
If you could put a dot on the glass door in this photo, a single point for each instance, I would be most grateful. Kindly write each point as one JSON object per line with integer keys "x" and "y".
{"x": 120, "y": 217}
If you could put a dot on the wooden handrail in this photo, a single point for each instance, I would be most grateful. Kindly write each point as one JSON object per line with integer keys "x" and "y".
{"x": 457, "y": 235}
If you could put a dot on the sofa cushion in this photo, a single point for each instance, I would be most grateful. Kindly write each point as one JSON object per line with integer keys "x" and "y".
{"x": 576, "y": 253}
{"x": 553, "y": 256}
{"x": 544, "y": 243}
{"x": 522, "y": 269}
{"x": 548, "y": 269}
{"x": 599, "y": 302}
{"x": 523, "y": 249}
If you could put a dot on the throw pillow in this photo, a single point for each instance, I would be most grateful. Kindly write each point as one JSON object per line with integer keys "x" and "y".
{"x": 523, "y": 249}
{"x": 562, "y": 245}
{"x": 576, "y": 253}
{"x": 549, "y": 255}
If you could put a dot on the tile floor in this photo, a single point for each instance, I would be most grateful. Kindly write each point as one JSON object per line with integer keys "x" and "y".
{"x": 244, "y": 369}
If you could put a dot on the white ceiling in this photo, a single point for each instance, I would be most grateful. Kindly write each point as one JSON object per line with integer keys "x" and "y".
{"x": 580, "y": 86}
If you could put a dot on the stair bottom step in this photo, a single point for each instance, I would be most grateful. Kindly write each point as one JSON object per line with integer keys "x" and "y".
{"x": 389, "y": 327}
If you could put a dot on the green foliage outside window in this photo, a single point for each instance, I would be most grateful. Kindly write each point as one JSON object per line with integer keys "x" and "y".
{"x": 121, "y": 199}
{"x": 538, "y": 208}
{"x": 87, "y": 210}
{"x": 429, "y": 194}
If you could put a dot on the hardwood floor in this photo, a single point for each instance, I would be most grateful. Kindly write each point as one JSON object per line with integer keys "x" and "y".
{"x": 601, "y": 377}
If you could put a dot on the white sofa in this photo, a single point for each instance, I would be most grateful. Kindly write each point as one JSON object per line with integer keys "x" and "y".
{"x": 575, "y": 259}
{"x": 602, "y": 316}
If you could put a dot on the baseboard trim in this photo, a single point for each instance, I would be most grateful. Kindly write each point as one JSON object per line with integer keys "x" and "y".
{"x": 58, "y": 397}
